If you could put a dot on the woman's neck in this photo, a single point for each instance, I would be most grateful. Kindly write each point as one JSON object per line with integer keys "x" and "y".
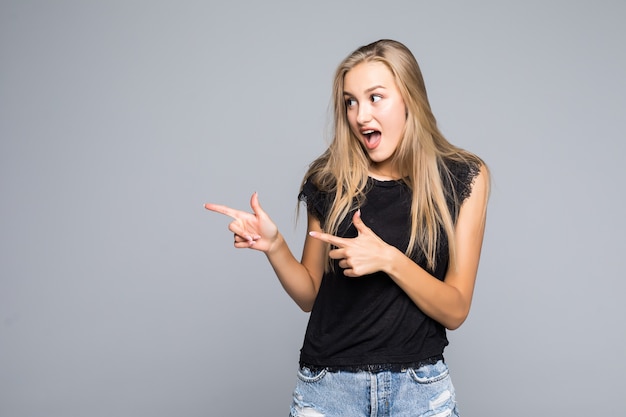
{"x": 382, "y": 174}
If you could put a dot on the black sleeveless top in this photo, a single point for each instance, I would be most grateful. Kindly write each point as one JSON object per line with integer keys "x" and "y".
{"x": 369, "y": 323}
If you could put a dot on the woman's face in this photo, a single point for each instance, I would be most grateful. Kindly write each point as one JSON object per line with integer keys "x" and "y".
{"x": 376, "y": 114}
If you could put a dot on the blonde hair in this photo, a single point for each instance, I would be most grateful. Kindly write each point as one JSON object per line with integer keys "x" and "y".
{"x": 342, "y": 170}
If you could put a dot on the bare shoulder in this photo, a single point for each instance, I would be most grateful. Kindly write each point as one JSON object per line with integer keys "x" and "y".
{"x": 474, "y": 208}
{"x": 482, "y": 181}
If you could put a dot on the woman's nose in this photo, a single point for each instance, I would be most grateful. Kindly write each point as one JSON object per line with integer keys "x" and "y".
{"x": 364, "y": 115}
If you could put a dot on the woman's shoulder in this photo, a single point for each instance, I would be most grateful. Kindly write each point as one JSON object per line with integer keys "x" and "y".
{"x": 316, "y": 184}
{"x": 460, "y": 173}
{"x": 315, "y": 194}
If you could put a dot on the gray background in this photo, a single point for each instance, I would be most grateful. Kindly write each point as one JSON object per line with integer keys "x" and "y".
{"x": 121, "y": 296}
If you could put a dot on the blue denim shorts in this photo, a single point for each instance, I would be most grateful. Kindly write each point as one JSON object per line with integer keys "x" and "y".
{"x": 426, "y": 391}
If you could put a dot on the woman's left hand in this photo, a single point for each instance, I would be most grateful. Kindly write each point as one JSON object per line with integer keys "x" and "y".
{"x": 362, "y": 255}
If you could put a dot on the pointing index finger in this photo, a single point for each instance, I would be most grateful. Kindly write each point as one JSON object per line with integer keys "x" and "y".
{"x": 325, "y": 237}
{"x": 218, "y": 208}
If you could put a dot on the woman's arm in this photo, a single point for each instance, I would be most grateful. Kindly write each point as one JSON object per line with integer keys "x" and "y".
{"x": 447, "y": 301}
{"x": 301, "y": 280}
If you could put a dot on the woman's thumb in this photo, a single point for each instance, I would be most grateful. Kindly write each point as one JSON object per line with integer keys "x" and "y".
{"x": 358, "y": 222}
{"x": 254, "y": 203}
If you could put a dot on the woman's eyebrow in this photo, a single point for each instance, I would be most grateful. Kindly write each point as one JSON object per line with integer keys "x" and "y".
{"x": 369, "y": 90}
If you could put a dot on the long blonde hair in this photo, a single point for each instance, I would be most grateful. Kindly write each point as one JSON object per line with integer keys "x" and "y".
{"x": 342, "y": 170}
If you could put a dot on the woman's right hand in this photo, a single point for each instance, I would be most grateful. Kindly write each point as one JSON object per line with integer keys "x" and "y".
{"x": 252, "y": 230}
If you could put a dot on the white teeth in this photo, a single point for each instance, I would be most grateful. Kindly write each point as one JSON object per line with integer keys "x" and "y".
{"x": 368, "y": 132}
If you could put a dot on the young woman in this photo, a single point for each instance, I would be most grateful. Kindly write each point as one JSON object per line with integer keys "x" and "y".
{"x": 396, "y": 216}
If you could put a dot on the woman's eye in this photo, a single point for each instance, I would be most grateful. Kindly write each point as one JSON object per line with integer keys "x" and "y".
{"x": 350, "y": 102}
{"x": 375, "y": 98}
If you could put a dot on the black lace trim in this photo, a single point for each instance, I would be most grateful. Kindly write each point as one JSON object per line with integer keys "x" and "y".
{"x": 383, "y": 367}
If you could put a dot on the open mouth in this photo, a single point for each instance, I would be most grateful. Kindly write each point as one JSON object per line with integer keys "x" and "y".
{"x": 372, "y": 138}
